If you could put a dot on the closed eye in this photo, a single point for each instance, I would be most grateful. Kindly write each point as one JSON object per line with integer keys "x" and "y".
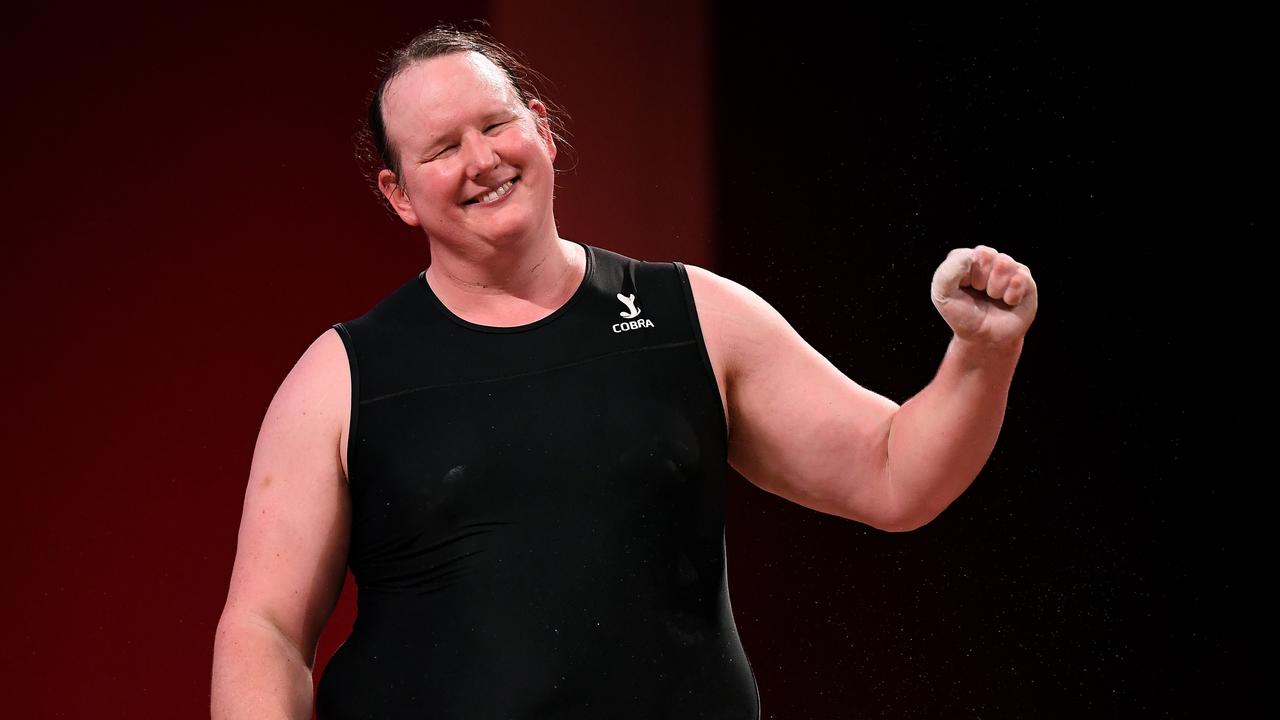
{"x": 441, "y": 153}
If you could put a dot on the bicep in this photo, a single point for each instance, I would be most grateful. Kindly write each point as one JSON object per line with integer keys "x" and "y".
{"x": 801, "y": 429}
{"x": 291, "y": 553}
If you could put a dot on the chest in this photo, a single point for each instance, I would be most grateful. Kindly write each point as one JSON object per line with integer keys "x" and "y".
{"x": 624, "y": 436}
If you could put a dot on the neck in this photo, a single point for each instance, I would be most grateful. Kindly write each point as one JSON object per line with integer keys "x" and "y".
{"x": 503, "y": 281}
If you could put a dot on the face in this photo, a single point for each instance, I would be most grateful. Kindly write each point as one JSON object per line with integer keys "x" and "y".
{"x": 462, "y": 133}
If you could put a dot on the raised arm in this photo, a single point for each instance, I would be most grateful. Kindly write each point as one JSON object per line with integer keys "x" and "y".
{"x": 291, "y": 554}
{"x": 941, "y": 438}
{"x": 801, "y": 429}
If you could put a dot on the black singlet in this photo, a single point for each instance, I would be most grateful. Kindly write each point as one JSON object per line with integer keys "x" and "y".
{"x": 537, "y": 523}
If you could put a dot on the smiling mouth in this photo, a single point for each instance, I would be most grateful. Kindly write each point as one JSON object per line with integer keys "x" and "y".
{"x": 492, "y": 195}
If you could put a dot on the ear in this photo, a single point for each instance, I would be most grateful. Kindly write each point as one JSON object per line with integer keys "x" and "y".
{"x": 543, "y": 124}
{"x": 393, "y": 191}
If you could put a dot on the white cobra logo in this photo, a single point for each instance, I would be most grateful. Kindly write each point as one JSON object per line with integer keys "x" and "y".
{"x": 630, "y": 302}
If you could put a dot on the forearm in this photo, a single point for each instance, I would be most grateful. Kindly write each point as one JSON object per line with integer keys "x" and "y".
{"x": 258, "y": 674}
{"x": 940, "y": 438}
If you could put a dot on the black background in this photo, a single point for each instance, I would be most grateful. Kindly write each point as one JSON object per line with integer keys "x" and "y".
{"x": 1101, "y": 564}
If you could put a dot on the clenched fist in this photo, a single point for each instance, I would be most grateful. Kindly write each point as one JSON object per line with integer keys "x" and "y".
{"x": 985, "y": 296}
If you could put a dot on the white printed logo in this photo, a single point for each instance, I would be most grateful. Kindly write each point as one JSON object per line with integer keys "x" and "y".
{"x": 631, "y": 312}
{"x": 630, "y": 302}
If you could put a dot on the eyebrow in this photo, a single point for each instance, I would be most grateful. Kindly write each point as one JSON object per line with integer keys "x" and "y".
{"x": 434, "y": 142}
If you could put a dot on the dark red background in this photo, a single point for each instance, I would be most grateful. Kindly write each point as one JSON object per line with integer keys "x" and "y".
{"x": 184, "y": 215}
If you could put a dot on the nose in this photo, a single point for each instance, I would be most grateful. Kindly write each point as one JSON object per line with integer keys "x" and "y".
{"x": 481, "y": 157}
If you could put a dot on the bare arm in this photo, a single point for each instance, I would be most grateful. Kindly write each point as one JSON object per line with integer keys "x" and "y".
{"x": 292, "y": 550}
{"x": 940, "y": 439}
{"x": 798, "y": 427}
{"x": 801, "y": 429}
{"x": 258, "y": 672}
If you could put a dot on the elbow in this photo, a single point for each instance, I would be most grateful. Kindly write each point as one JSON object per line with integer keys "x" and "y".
{"x": 881, "y": 504}
{"x": 912, "y": 517}
{"x": 904, "y": 516}
{"x": 905, "y": 524}
{"x": 895, "y": 520}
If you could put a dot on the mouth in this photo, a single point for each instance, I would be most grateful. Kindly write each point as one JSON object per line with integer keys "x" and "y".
{"x": 490, "y": 197}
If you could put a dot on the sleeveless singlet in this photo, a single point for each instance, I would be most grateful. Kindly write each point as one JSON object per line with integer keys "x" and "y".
{"x": 537, "y": 526}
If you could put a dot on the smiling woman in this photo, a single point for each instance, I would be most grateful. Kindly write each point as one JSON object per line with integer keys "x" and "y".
{"x": 514, "y": 481}
{"x": 533, "y": 505}
{"x": 440, "y": 113}
{"x": 530, "y": 493}
{"x": 378, "y": 151}
{"x": 470, "y": 160}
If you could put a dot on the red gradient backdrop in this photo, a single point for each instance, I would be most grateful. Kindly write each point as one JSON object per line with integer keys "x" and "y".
{"x": 183, "y": 216}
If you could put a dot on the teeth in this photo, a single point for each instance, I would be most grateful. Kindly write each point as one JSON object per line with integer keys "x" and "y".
{"x": 499, "y": 192}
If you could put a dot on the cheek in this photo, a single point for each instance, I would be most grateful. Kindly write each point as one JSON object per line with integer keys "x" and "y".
{"x": 434, "y": 179}
{"x": 536, "y": 152}
{"x": 525, "y": 140}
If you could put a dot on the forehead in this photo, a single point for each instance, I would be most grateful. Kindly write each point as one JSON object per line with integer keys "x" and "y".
{"x": 433, "y": 96}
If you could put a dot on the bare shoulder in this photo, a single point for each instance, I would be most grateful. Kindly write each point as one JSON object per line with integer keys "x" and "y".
{"x": 294, "y": 530}
{"x": 714, "y": 300}
{"x": 734, "y": 318}
{"x": 315, "y": 398}
{"x": 323, "y": 363}
{"x": 322, "y": 380}
{"x": 744, "y": 333}
{"x": 735, "y": 324}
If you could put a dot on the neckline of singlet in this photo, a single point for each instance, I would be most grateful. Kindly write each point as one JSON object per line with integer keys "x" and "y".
{"x": 582, "y": 288}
